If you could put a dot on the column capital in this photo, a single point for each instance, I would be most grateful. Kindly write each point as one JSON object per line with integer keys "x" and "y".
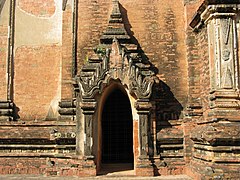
{"x": 211, "y": 9}
{"x": 143, "y": 106}
{"x": 88, "y": 106}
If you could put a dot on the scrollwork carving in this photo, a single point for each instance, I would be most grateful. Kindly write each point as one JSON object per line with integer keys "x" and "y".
{"x": 99, "y": 70}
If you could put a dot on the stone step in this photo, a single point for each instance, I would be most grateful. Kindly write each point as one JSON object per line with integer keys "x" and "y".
{"x": 105, "y": 177}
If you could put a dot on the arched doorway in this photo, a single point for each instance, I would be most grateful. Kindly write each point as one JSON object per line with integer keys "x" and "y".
{"x": 117, "y": 129}
{"x": 105, "y": 118}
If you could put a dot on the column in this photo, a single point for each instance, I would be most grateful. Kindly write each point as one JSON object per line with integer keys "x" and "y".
{"x": 67, "y": 105}
{"x": 216, "y": 135}
{"x": 223, "y": 59}
{"x": 221, "y": 20}
{"x": 6, "y": 86}
{"x": 143, "y": 109}
{"x": 88, "y": 109}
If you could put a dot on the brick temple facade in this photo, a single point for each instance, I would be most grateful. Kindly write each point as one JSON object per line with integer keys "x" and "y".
{"x": 152, "y": 85}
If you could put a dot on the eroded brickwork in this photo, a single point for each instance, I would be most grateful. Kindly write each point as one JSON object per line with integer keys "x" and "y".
{"x": 204, "y": 69}
{"x": 43, "y": 8}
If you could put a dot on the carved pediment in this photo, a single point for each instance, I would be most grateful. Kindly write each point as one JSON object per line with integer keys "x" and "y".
{"x": 117, "y": 58}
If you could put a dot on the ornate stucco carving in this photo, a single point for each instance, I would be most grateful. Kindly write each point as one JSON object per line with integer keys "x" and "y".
{"x": 118, "y": 63}
{"x": 224, "y": 53}
{"x": 117, "y": 58}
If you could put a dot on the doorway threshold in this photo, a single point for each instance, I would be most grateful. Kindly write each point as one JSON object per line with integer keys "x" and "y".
{"x": 117, "y": 169}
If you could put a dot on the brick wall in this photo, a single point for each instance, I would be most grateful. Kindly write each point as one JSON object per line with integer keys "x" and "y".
{"x": 196, "y": 45}
{"x": 46, "y": 166}
{"x": 92, "y": 21}
{"x": 204, "y": 68}
{"x": 157, "y": 26}
{"x": 37, "y": 80}
{"x": 67, "y": 49}
{"x": 37, "y": 59}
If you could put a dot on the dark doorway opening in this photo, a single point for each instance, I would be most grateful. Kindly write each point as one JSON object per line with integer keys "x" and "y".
{"x": 117, "y": 129}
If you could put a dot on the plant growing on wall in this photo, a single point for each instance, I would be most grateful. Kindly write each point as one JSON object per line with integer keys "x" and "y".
{"x": 101, "y": 49}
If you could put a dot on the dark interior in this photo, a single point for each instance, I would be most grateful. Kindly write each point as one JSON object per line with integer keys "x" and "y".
{"x": 117, "y": 129}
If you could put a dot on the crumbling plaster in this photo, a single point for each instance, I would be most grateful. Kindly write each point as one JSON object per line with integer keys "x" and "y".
{"x": 32, "y": 30}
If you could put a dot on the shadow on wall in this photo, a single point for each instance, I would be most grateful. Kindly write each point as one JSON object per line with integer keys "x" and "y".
{"x": 127, "y": 25}
{"x": 16, "y": 112}
{"x": 2, "y": 2}
{"x": 168, "y": 113}
{"x": 167, "y": 106}
{"x": 168, "y": 110}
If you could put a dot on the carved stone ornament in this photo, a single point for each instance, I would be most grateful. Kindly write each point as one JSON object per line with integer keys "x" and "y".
{"x": 220, "y": 19}
{"x": 117, "y": 63}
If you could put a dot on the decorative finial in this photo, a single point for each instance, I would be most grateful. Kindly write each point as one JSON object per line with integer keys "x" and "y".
{"x": 116, "y": 28}
{"x": 116, "y": 10}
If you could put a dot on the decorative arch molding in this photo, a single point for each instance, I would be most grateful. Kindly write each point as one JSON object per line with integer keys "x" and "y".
{"x": 125, "y": 66}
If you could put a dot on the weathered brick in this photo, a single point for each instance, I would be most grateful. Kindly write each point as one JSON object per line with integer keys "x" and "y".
{"x": 43, "y": 76}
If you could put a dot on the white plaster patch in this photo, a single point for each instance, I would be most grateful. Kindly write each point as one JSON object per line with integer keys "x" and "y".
{"x": 33, "y": 30}
{"x": 57, "y": 98}
{"x": 56, "y": 21}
